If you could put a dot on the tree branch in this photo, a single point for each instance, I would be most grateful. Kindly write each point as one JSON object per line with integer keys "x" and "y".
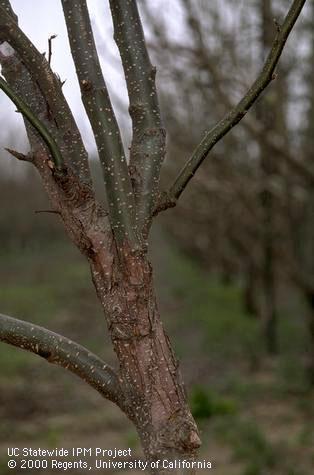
{"x": 99, "y": 110}
{"x": 55, "y": 111}
{"x": 36, "y": 123}
{"x": 275, "y": 143}
{"x": 57, "y": 349}
{"x": 7, "y": 7}
{"x": 148, "y": 142}
{"x": 239, "y": 111}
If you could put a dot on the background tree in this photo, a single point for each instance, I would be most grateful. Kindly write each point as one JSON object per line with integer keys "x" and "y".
{"x": 260, "y": 171}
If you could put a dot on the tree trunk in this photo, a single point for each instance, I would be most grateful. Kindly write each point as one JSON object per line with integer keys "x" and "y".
{"x": 310, "y": 299}
{"x": 268, "y": 119}
{"x": 154, "y": 392}
{"x": 271, "y": 333}
{"x": 148, "y": 369}
{"x": 250, "y": 294}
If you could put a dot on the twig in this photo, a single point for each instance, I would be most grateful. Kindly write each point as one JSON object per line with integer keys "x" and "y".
{"x": 53, "y": 211}
{"x": 19, "y": 155}
{"x": 52, "y": 37}
{"x": 240, "y": 110}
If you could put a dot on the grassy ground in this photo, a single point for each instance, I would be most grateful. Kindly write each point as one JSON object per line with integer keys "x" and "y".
{"x": 255, "y": 414}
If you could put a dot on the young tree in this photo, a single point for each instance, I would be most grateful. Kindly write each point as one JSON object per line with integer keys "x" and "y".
{"x": 147, "y": 386}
